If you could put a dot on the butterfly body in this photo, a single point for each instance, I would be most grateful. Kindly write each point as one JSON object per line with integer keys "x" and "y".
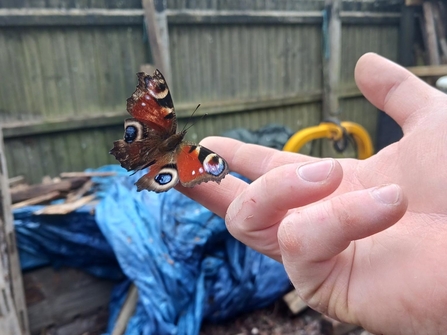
{"x": 151, "y": 141}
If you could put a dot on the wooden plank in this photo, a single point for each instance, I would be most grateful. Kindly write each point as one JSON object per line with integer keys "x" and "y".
{"x": 69, "y": 17}
{"x": 431, "y": 36}
{"x": 63, "y": 124}
{"x": 369, "y": 18}
{"x": 126, "y": 311}
{"x": 75, "y": 152}
{"x": 15, "y": 130}
{"x": 65, "y": 298}
{"x": 38, "y": 200}
{"x": 12, "y": 303}
{"x": 242, "y": 17}
{"x": 8, "y": 316}
{"x": 274, "y": 17}
{"x": 157, "y": 30}
{"x": 86, "y": 174}
{"x": 17, "y": 180}
{"x": 294, "y": 302}
{"x": 65, "y": 208}
{"x": 331, "y": 58}
{"x": 100, "y": 17}
{"x": 429, "y": 70}
{"x": 79, "y": 193}
{"x": 440, "y": 15}
{"x": 70, "y": 4}
{"x": 37, "y": 190}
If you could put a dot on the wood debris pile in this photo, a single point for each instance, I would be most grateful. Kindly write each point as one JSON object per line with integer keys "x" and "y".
{"x": 75, "y": 189}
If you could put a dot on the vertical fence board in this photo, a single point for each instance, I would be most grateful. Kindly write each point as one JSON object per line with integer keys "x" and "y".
{"x": 13, "y": 315}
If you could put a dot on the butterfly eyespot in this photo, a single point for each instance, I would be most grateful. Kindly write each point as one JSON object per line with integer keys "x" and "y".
{"x": 163, "y": 178}
{"x": 166, "y": 178}
{"x": 214, "y": 165}
{"x": 130, "y": 134}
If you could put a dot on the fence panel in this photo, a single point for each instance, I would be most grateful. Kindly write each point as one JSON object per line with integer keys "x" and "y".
{"x": 67, "y": 68}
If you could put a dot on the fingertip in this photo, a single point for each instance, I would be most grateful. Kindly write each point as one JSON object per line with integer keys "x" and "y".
{"x": 319, "y": 171}
{"x": 376, "y": 76}
{"x": 362, "y": 65}
{"x": 390, "y": 194}
{"x": 395, "y": 90}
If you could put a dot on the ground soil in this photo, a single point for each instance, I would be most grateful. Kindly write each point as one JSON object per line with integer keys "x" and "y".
{"x": 276, "y": 320}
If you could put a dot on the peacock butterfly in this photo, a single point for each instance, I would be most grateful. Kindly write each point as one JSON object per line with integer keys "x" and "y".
{"x": 151, "y": 141}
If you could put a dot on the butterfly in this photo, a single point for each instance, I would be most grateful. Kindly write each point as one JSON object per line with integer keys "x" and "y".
{"x": 151, "y": 141}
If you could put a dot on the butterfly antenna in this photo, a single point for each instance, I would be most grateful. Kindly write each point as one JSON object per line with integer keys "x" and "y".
{"x": 206, "y": 114}
{"x": 190, "y": 117}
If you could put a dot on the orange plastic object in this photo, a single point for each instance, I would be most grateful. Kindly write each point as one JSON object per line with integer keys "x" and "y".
{"x": 334, "y": 132}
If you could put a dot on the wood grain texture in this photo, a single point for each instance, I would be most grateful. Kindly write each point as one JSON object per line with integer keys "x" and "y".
{"x": 41, "y": 189}
{"x": 67, "y": 72}
{"x": 13, "y": 315}
{"x": 331, "y": 59}
{"x": 64, "y": 300}
{"x": 156, "y": 23}
{"x": 430, "y": 33}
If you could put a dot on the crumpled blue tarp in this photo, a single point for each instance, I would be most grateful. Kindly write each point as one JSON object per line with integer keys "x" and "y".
{"x": 185, "y": 264}
{"x": 187, "y": 267}
{"x": 73, "y": 240}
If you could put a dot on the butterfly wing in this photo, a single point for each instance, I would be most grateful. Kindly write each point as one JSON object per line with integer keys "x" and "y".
{"x": 153, "y": 122}
{"x": 151, "y": 104}
{"x": 138, "y": 148}
{"x": 197, "y": 164}
{"x": 162, "y": 176}
{"x": 190, "y": 164}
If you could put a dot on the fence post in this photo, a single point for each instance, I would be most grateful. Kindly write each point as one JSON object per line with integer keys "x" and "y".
{"x": 13, "y": 316}
{"x": 157, "y": 30}
{"x": 331, "y": 57}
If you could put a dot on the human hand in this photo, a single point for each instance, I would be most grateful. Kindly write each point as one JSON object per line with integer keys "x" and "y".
{"x": 362, "y": 241}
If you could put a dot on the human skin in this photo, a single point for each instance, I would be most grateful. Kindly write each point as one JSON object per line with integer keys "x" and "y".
{"x": 363, "y": 241}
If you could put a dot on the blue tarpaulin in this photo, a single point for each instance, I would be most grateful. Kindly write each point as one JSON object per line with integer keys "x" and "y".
{"x": 185, "y": 264}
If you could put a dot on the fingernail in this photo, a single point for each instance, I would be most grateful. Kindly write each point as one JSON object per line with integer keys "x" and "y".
{"x": 315, "y": 172}
{"x": 388, "y": 194}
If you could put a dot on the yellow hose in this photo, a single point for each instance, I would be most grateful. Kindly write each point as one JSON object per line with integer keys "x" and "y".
{"x": 334, "y": 132}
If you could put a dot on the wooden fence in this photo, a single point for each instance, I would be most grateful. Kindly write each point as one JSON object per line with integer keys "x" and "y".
{"x": 67, "y": 68}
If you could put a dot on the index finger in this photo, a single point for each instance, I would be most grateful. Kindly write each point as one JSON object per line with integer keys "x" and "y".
{"x": 251, "y": 160}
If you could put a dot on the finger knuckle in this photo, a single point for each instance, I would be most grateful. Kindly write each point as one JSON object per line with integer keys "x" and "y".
{"x": 339, "y": 209}
{"x": 289, "y": 237}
